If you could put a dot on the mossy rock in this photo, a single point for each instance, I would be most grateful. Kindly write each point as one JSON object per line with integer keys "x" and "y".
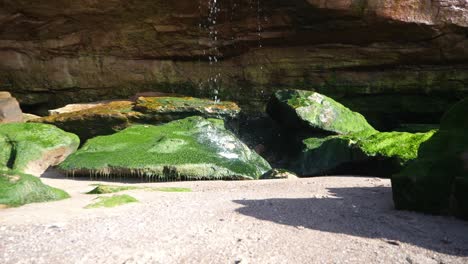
{"x": 378, "y": 154}
{"x": 307, "y": 109}
{"x": 110, "y": 117}
{"x": 32, "y": 148}
{"x": 17, "y": 189}
{"x": 172, "y": 108}
{"x": 436, "y": 182}
{"x": 193, "y": 148}
{"x": 104, "y": 119}
{"x": 112, "y": 201}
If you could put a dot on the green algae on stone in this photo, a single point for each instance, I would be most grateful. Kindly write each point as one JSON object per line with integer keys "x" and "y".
{"x": 436, "y": 182}
{"x": 107, "y": 118}
{"x": 106, "y": 189}
{"x": 112, "y": 201}
{"x": 298, "y": 108}
{"x": 31, "y": 148}
{"x": 186, "y": 106}
{"x": 389, "y": 149}
{"x": 193, "y": 148}
{"x": 104, "y": 119}
{"x": 17, "y": 189}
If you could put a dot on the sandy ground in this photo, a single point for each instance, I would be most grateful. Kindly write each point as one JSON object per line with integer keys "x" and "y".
{"x": 317, "y": 220}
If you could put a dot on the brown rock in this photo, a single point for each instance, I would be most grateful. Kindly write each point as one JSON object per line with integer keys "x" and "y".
{"x": 5, "y": 95}
{"x": 10, "y": 111}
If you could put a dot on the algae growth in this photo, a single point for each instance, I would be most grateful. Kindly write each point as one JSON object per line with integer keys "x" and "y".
{"x": 112, "y": 201}
{"x": 189, "y": 149}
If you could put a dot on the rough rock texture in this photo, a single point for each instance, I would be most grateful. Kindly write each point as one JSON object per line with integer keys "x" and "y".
{"x": 189, "y": 149}
{"x": 104, "y": 118}
{"x": 364, "y": 51}
{"x": 10, "y": 110}
{"x": 299, "y": 109}
{"x": 32, "y": 148}
{"x": 436, "y": 182}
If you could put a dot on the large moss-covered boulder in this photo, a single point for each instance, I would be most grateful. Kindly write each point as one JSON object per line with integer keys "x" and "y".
{"x": 193, "y": 148}
{"x": 31, "y": 148}
{"x": 17, "y": 189}
{"x": 307, "y": 109}
{"x": 437, "y": 181}
{"x": 379, "y": 154}
{"x": 105, "y": 118}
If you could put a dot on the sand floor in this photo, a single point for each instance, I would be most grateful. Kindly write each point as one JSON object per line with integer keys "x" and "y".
{"x": 316, "y": 220}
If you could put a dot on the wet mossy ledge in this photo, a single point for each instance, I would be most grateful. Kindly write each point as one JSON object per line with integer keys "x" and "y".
{"x": 378, "y": 154}
{"x": 193, "y": 148}
{"x": 18, "y": 189}
{"x": 113, "y": 116}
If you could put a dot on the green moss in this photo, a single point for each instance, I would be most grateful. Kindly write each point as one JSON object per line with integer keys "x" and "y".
{"x": 106, "y": 189}
{"x": 112, "y": 201}
{"x": 188, "y": 105}
{"x": 317, "y": 111}
{"x": 17, "y": 189}
{"x": 173, "y": 189}
{"x": 394, "y": 144}
{"x": 100, "y": 120}
{"x": 324, "y": 155}
{"x": 192, "y": 148}
{"x": 23, "y": 143}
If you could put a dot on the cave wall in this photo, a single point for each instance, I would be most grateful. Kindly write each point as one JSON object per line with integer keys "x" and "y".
{"x": 400, "y": 58}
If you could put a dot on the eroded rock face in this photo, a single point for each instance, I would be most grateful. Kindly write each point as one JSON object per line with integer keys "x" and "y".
{"x": 189, "y": 149}
{"x": 95, "y": 50}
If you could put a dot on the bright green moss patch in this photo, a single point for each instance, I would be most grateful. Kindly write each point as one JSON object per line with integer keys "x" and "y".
{"x": 394, "y": 144}
{"x": 173, "y": 189}
{"x": 106, "y": 189}
{"x": 112, "y": 201}
{"x": 17, "y": 189}
{"x": 316, "y": 111}
{"x": 189, "y": 149}
{"x": 324, "y": 155}
{"x": 22, "y": 144}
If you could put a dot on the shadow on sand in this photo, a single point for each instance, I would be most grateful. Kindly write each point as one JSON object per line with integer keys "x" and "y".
{"x": 365, "y": 212}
